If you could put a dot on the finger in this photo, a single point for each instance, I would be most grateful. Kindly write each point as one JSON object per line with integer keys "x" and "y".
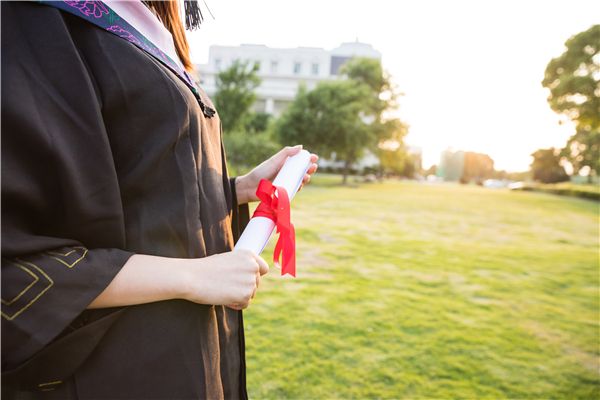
{"x": 279, "y": 158}
{"x": 306, "y": 179}
{"x": 263, "y": 267}
{"x": 235, "y": 306}
{"x": 312, "y": 169}
{"x": 288, "y": 151}
{"x": 313, "y": 158}
{"x": 242, "y": 306}
{"x": 294, "y": 150}
{"x": 257, "y": 281}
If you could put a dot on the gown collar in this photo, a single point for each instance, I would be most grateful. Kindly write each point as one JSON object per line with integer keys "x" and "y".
{"x": 148, "y": 24}
{"x": 142, "y": 35}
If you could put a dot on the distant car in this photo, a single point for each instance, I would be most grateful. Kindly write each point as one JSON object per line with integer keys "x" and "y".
{"x": 370, "y": 178}
{"x": 433, "y": 178}
{"x": 495, "y": 183}
{"x": 516, "y": 185}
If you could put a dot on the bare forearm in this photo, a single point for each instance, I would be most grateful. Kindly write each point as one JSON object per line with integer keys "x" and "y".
{"x": 144, "y": 279}
{"x": 244, "y": 189}
{"x": 229, "y": 279}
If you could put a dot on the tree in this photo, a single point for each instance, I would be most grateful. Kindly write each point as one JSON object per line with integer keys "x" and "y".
{"x": 327, "y": 120}
{"x": 247, "y": 138}
{"x": 393, "y": 161}
{"x": 430, "y": 171}
{"x": 340, "y": 119}
{"x": 382, "y": 98}
{"x": 246, "y": 150}
{"x": 477, "y": 167}
{"x": 235, "y": 94}
{"x": 257, "y": 122}
{"x": 574, "y": 83}
{"x": 512, "y": 176}
{"x": 396, "y": 160}
{"x": 583, "y": 150}
{"x": 369, "y": 72}
{"x": 546, "y": 166}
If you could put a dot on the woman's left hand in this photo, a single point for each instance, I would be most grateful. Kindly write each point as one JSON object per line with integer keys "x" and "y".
{"x": 245, "y": 186}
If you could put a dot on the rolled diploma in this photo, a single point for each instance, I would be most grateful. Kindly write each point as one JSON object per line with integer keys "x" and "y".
{"x": 258, "y": 231}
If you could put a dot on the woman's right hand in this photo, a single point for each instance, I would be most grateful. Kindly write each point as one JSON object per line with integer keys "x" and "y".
{"x": 230, "y": 278}
{"x": 224, "y": 279}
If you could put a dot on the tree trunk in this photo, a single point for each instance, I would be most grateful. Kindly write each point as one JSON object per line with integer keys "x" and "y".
{"x": 345, "y": 172}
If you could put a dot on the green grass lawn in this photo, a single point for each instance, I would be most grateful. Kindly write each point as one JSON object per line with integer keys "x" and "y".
{"x": 408, "y": 290}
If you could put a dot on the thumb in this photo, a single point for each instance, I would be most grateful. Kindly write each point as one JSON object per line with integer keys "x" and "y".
{"x": 263, "y": 267}
{"x": 286, "y": 152}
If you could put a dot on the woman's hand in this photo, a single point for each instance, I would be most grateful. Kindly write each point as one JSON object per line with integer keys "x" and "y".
{"x": 223, "y": 279}
{"x": 230, "y": 278}
{"x": 245, "y": 186}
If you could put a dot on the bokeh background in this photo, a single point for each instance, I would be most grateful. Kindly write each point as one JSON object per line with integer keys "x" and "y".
{"x": 449, "y": 245}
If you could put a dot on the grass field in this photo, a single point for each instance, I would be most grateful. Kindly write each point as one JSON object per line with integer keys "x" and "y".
{"x": 408, "y": 290}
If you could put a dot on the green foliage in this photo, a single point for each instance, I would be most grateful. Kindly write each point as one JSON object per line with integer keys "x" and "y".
{"x": 397, "y": 162}
{"x": 343, "y": 118}
{"x": 369, "y": 72}
{"x": 257, "y": 122}
{"x": 235, "y": 94}
{"x": 512, "y": 176}
{"x": 248, "y": 150}
{"x": 392, "y": 161}
{"x": 412, "y": 291}
{"x": 327, "y": 120}
{"x": 574, "y": 83}
{"x": 591, "y": 192}
{"x": 247, "y": 139}
{"x": 583, "y": 149}
{"x": 382, "y": 98}
{"x": 546, "y": 166}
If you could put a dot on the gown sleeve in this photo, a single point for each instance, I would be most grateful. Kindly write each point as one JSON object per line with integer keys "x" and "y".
{"x": 62, "y": 219}
{"x": 240, "y": 215}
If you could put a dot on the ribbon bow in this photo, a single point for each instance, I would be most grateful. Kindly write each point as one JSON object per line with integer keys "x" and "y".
{"x": 275, "y": 205}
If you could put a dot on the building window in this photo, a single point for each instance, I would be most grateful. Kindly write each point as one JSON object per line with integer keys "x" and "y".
{"x": 336, "y": 63}
{"x": 218, "y": 64}
{"x": 274, "y": 65}
{"x": 297, "y": 68}
{"x": 315, "y": 69}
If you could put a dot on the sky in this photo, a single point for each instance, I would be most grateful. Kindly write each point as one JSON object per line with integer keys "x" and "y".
{"x": 469, "y": 71}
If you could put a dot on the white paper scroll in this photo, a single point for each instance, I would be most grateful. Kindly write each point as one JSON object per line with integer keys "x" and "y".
{"x": 256, "y": 235}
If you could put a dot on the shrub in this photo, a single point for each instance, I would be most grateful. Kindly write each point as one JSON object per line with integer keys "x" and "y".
{"x": 246, "y": 150}
{"x": 591, "y": 192}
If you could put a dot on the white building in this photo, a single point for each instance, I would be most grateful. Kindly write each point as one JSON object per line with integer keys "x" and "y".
{"x": 282, "y": 70}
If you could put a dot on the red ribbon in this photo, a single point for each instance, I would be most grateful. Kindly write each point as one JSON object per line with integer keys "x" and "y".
{"x": 275, "y": 205}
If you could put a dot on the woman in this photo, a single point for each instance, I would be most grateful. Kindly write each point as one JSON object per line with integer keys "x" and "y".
{"x": 118, "y": 217}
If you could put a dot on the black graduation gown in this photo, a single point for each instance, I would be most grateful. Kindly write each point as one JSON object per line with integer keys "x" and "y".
{"x": 106, "y": 153}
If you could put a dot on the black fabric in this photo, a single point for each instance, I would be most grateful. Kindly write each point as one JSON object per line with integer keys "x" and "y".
{"x": 105, "y": 153}
{"x": 241, "y": 214}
